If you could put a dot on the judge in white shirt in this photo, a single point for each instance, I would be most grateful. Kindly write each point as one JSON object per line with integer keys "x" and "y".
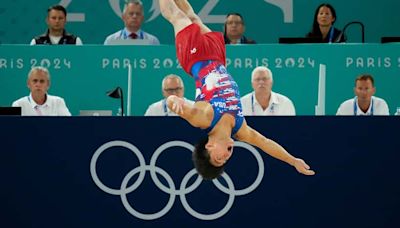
{"x": 171, "y": 85}
{"x": 263, "y": 101}
{"x": 133, "y": 18}
{"x": 39, "y": 102}
{"x": 364, "y": 103}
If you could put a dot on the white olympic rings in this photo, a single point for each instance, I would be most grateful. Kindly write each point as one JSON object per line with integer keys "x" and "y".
{"x": 171, "y": 189}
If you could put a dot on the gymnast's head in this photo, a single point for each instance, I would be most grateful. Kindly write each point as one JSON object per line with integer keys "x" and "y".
{"x": 210, "y": 156}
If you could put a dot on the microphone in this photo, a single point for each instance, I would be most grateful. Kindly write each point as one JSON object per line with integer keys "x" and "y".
{"x": 351, "y": 23}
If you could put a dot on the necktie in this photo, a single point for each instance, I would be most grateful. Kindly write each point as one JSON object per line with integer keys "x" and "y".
{"x": 133, "y": 35}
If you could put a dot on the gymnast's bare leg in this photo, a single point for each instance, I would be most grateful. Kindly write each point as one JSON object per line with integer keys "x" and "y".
{"x": 180, "y": 14}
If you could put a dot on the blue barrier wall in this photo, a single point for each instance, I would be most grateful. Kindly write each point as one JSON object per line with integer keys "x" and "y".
{"x": 47, "y": 179}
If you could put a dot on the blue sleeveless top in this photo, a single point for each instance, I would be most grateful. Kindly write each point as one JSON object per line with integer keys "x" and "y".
{"x": 216, "y": 86}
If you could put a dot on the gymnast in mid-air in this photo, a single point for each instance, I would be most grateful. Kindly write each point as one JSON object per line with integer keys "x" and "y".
{"x": 217, "y": 109}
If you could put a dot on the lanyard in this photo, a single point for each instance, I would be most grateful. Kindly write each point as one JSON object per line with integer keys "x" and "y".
{"x": 164, "y": 104}
{"x": 252, "y": 104}
{"x": 37, "y": 107}
{"x": 272, "y": 109}
{"x": 30, "y": 101}
{"x": 355, "y": 106}
{"x": 331, "y": 32}
{"x": 124, "y": 34}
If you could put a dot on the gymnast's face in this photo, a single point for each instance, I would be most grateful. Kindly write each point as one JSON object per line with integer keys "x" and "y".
{"x": 220, "y": 151}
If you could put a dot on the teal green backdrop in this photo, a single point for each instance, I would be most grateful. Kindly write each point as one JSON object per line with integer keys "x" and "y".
{"x": 82, "y": 74}
{"x": 266, "y": 20}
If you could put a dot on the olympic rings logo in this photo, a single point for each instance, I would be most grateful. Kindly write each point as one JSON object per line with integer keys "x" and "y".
{"x": 171, "y": 189}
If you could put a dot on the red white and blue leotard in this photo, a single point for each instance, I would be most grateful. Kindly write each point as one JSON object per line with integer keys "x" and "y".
{"x": 203, "y": 57}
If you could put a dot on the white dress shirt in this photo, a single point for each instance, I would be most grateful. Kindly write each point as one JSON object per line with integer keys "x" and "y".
{"x": 124, "y": 35}
{"x": 160, "y": 108}
{"x": 54, "y": 106}
{"x": 279, "y": 105}
{"x": 377, "y": 107}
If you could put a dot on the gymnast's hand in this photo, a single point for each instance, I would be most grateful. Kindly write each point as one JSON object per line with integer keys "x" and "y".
{"x": 302, "y": 167}
{"x": 175, "y": 104}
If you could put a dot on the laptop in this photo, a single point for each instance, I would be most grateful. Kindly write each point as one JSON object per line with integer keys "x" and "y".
{"x": 10, "y": 111}
{"x": 95, "y": 113}
{"x": 299, "y": 40}
{"x": 390, "y": 40}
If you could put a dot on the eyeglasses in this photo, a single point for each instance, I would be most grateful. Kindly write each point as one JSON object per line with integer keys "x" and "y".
{"x": 173, "y": 90}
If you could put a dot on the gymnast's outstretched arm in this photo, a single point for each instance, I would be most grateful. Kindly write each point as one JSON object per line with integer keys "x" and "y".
{"x": 249, "y": 135}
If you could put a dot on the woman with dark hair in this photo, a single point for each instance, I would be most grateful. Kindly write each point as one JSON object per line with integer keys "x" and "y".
{"x": 323, "y": 29}
{"x": 234, "y": 30}
{"x": 217, "y": 109}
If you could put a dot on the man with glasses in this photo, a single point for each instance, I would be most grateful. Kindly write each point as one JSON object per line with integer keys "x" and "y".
{"x": 133, "y": 17}
{"x": 234, "y": 30}
{"x": 171, "y": 85}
